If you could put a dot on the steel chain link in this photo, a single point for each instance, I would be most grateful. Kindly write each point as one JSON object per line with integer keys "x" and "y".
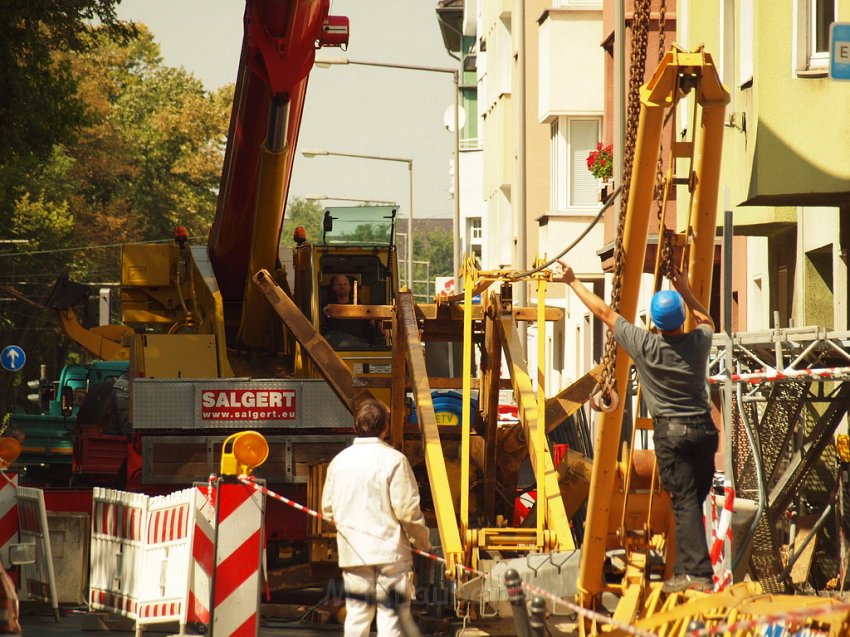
{"x": 637, "y": 66}
{"x": 660, "y": 180}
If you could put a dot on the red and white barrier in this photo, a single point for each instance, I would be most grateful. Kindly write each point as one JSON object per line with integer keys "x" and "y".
{"x": 203, "y": 556}
{"x": 166, "y": 557}
{"x": 119, "y": 520}
{"x": 37, "y": 579}
{"x": 191, "y": 556}
{"x": 238, "y": 554}
{"x": 8, "y": 516}
{"x": 140, "y": 555}
{"x": 719, "y": 534}
{"x": 771, "y": 375}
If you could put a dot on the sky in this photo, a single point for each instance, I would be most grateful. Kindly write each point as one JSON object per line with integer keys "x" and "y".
{"x": 351, "y": 109}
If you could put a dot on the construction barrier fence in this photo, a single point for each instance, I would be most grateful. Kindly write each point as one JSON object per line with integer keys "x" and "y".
{"x": 194, "y": 556}
{"x": 8, "y": 516}
{"x": 38, "y": 581}
{"x": 140, "y": 554}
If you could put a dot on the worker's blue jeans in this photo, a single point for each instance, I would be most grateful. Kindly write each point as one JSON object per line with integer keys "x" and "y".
{"x": 685, "y": 451}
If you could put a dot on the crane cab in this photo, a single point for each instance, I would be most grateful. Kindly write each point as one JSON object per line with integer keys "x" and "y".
{"x": 353, "y": 264}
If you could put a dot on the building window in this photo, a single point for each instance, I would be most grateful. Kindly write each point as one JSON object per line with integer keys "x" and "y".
{"x": 813, "y": 18}
{"x": 745, "y": 43}
{"x": 475, "y": 233}
{"x": 572, "y": 184}
{"x": 821, "y": 15}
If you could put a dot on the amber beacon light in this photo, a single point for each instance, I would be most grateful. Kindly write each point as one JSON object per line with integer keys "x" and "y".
{"x": 10, "y": 449}
{"x": 243, "y": 452}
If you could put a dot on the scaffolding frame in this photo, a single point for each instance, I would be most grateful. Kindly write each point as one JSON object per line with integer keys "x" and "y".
{"x": 792, "y": 391}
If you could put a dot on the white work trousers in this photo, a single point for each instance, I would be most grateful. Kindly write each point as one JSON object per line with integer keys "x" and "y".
{"x": 366, "y": 585}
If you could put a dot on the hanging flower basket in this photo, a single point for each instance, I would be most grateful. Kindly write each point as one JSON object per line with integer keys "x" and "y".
{"x": 600, "y": 162}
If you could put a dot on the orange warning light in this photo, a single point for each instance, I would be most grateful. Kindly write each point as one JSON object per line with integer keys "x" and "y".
{"x": 10, "y": 449}
{"x": 242, "y": 452}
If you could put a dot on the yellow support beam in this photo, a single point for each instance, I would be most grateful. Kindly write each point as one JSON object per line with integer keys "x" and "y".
{"x": 450, "y": 538}
{"x": 540, "y": 443}
{"x": 466, "y": 415}
{"x": 678, "y": 72}
{"x": 556, "y": 515}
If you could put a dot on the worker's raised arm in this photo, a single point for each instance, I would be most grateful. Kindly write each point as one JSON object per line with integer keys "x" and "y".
{"x": 563, "y": 272}
{"x": 683, "y": 286}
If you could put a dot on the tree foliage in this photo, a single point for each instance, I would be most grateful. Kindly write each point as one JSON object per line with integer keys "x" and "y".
{"x": 304, "y": 213}
{"x": 435, "y": 248}
{"x": 40, "y": 106}
{"x": 104, "y": 145}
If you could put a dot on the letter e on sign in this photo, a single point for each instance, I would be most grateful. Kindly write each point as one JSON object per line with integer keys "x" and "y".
{"x": 839, "y": 51}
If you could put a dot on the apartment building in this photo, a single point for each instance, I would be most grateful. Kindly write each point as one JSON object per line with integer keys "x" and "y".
{"x": 786, "y": 157}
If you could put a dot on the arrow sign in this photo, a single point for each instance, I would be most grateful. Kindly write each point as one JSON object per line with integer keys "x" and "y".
{"x": 12, "y": 358}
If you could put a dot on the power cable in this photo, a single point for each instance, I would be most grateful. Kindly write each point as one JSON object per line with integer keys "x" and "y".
{"x": 80, "y": 248}
{"x": 608, "y": 203}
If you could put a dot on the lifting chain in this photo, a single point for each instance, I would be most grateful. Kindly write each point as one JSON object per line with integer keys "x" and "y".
{"x": 664, "y": 243}
{"x": 605, "y": 391}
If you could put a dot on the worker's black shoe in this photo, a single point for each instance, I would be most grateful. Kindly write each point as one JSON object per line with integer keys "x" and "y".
{"x": 683, "y": 582}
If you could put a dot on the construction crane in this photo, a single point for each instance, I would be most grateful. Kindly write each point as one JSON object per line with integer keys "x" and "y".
{"x": 223, "y": 328}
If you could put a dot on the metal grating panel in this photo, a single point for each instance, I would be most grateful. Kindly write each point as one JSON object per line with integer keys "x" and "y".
{"x": 186, "y": 459}
{"x": 235, "y": 404}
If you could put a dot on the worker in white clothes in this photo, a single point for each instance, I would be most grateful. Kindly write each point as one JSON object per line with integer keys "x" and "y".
{"x": 371, "y": 494}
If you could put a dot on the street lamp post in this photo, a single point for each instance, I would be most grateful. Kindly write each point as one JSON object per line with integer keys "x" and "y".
{"x": 409, "y": 162}
{"x": 327, "y": 62}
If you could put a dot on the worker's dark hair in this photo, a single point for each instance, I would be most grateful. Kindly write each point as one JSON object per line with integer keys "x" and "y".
{"x": 371, "y": 418}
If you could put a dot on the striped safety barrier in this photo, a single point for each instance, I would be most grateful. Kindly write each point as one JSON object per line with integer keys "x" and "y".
{"x": 140, "y": 555}
{"x": 166, "y": 557}
{"x": 8, "y": 516}
{"x": 119, "y": 521}
{"x": 235, "y": 607}
{"x": 203, "y": 556}
{"x": 719, "y": 534}
{"x": 37, "y": 579}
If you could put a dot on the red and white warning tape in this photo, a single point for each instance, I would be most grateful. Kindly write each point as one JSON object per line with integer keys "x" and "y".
{"x": 721, "y": 532}
{"x": 770, "y": 374}
{"x": 590, "y": 614}
{"x": 724, "y": 530}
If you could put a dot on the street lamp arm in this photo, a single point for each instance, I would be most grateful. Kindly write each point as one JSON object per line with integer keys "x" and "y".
{"x": 387, "y": 65}
{"x": 323, "y": 153}
{"x": 354, "y": 199}
{"x": 455, "y": 73}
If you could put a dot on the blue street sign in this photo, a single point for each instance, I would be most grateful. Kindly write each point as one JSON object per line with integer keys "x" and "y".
{"x": 839, "y": 51}
{"x": 12, "y": 358}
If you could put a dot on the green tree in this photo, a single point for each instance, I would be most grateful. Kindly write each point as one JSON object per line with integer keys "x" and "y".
{"x": 436, "y": 248}
{"x": 142, "y": 153}
{"x": 40, "y": 106}
{"x": 304, "y": 213}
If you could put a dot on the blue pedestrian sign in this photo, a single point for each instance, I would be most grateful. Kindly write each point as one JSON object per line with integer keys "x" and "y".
{"x": 12, "y": 358}
{"x": 839, "y": 51}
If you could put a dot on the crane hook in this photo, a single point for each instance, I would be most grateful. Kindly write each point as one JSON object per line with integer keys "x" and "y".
{"x": 604, "y": 399}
